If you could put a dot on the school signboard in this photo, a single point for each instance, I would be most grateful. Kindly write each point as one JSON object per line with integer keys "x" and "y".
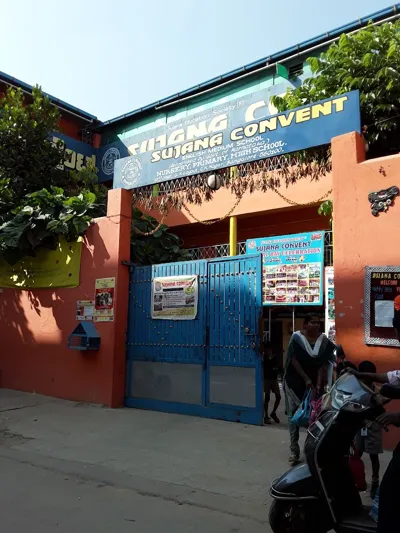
{"x": 229, "y": 134}
{"x": 292, "y": 268}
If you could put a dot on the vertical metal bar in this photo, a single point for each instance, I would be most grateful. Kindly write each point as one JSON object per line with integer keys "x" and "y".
{"x": 293, "y": 320}
{"x": 232, "y": 236}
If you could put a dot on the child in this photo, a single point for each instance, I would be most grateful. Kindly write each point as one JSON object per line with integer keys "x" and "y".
{"x": 369, "y": 440}
{"x": 271, "y": 369}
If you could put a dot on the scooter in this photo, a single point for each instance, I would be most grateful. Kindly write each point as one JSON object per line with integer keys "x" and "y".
{"x": 321, "y": 495}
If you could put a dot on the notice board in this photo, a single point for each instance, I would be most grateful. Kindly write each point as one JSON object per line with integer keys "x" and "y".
{"x": 382, "y": 300}
{"x": 292, "y": 268}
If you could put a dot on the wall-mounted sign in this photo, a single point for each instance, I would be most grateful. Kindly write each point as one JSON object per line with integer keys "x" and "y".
{"x": 292, "y": 268}
{"x": 174, "y": 298}
{"x": 80, "y": 154}
{"x": 229, "y": 134}
{"x": 330, "y": 320}
{"x": 382, "y": 298}
{"x": 84, "y": 309}
{"x": 104, "y": 300}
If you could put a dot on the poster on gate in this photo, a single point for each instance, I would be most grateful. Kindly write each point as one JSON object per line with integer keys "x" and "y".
{"x": 174, "y": 298}
{"x": 104, "y": 300}
{"x": 292, "y": 268}
{"x": 330, "y": 323}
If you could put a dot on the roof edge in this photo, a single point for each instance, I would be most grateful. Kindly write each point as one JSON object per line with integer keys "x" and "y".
{"x": 10, "y": 80}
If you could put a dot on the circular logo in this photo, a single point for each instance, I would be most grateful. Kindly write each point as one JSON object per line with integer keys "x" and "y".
{"x": 130, "y": 173}
{"x": 107, "y": 163}
{"x": 252, "y": 245}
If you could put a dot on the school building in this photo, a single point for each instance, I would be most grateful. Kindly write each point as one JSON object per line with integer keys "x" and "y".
{"x": 258, "y": 259}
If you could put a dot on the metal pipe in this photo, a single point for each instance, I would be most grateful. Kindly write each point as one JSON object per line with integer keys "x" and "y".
{"x": 169, "y": 104}
{"x": 232, "y": 236}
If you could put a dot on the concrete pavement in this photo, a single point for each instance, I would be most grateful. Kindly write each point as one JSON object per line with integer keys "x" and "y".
{"x": 189, "y": 470}
{"x": 39, "y": 500}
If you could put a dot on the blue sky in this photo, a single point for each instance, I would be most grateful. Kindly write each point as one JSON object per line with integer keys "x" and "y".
{"x": 109, "y": 58}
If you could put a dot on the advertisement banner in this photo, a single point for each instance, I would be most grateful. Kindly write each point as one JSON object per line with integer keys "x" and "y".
{"x": 85, "y": 309}
{"x": 174, "y": 298}
{"x": 104, "y": 300}
{"x": 239, "y": 131}
{"x": 330, "y": 325}
{"x": 292, "y": 268}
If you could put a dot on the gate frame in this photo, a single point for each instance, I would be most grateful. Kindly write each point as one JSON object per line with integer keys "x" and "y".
{"x": 243, "y": 414}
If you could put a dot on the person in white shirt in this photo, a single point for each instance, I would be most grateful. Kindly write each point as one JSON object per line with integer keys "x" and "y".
{"x": 389, "y": 491}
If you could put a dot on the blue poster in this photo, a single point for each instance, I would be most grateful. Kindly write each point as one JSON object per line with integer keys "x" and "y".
{"x": 229, "y": 134}
{"x": 292, "y": 268}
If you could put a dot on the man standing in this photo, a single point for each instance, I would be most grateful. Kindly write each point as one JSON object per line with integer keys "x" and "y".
{"x": 272, "y": 370}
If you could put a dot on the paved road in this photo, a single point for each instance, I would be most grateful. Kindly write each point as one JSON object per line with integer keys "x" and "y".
{"x": 71, "y": 467}
{"x": 41, "y": 500}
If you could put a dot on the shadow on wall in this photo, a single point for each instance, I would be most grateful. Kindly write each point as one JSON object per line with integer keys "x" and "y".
{"x": 13, "y": 317}
{"x": 94, "y": 258}
{"x": 35, "y": 324}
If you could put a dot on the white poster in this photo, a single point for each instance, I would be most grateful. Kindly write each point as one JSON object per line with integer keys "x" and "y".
{"x": 384, "y": 313}
{"x": 174, "y": 298}
{"x": 330, "y": 326}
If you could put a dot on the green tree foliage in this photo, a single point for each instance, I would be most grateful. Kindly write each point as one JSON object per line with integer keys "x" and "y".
{"x": 369, "y": 61}
{"x": 326, "y": 209}
{"x": 163, "y": 246}
{"x": 40, "y": 200}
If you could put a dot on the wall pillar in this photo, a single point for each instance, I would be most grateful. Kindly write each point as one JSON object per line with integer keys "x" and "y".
{"x": 119, "y": 212}
{"x": 362, "y": 240}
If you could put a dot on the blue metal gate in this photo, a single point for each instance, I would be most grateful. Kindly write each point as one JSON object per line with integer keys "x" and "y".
{"x": 209, "y": 366}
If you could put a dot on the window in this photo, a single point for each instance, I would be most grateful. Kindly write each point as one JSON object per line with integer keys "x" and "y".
{"x": 295, "y": 70}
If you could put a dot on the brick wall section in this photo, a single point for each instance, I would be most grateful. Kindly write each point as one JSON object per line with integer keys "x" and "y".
{"x": 34, "y": 325}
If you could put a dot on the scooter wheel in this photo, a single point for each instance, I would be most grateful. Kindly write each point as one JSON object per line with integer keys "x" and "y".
{"x": 291, "y": 517}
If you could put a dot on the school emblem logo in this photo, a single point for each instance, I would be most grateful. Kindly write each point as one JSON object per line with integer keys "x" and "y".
{"x": 252, "y": 245}
{"x": 131, "y": 172}
{"x": 107, "y": 163}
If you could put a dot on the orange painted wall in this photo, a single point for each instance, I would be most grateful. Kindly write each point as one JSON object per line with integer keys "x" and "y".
{"x": 252, "y": 204}
{"x": 362, "y": 240}
{"x": 71, "y": 126}
{"x": 279, "y": 222}
{"x": 34, "y": 325}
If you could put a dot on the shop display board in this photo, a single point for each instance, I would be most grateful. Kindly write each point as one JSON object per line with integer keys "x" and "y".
{"x": 330, "y": 319}
{"x": 292, "y": 268}
{"x": 174, "y": 298}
